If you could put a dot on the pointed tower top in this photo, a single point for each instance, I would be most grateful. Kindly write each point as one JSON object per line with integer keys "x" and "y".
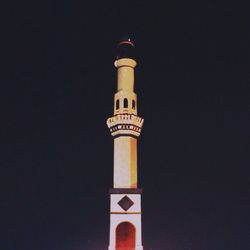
{"x": 126, "y": 40}
{"x": 125, "y": 48}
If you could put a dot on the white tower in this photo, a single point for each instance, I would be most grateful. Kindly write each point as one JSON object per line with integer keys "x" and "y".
{"x": 125, "y": 126}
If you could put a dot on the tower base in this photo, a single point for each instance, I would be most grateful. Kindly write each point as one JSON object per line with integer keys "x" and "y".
{"x": 125, "y": 219}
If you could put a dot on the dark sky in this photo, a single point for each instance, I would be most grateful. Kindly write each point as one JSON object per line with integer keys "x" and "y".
{"x": 57, "y": 87}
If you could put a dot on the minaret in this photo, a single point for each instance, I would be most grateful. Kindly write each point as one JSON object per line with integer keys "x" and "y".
{"x": 125, "y": 126}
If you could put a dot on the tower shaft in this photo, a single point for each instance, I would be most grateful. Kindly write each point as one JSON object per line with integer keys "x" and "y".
{"x": 125, "y": 162}
{"x": 125, "y": 74}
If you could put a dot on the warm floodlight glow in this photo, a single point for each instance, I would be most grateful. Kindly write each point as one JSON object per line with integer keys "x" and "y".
{"x": 125, "y": 236}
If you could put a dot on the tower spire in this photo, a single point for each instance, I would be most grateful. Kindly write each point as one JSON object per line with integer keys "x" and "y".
{"x": 125, "y": 126}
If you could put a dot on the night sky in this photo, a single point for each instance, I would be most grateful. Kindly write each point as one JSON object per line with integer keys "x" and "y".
{"x": 57, "y": 88}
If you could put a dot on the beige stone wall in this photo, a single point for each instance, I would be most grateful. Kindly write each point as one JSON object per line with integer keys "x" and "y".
{"x": 125, "y": 162}
{"x": 125, "y": 74}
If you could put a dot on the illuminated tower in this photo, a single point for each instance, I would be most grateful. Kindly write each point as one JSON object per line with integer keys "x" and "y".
{"x": 125, "y": 126}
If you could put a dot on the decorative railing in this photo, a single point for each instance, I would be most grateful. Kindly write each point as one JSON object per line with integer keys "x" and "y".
{"x": 122, "y": 124}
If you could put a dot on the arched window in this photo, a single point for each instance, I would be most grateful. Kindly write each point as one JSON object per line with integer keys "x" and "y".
{"x": 133, "y": 104}
{"x": 125, "y": 236}
{"x": 117, "y": 105}
{"x": 125, "y": 103}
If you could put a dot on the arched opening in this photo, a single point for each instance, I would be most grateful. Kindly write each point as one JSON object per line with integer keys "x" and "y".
{"x": 133, "y": 104}
{"x": 117, "y": 104}
{"x": 125, "y": 236}
{"x": 125, "y": 103}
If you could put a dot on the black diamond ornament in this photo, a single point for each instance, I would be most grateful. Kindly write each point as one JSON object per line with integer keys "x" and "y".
{"x": 125, "y": 203}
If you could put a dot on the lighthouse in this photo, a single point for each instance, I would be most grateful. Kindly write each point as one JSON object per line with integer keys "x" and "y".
{"x": 125, "y": 127}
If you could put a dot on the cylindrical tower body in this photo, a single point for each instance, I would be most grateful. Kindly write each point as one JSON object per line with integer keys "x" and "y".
{"x": 125, "y": 126}
{"x": 125, "y": 162}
